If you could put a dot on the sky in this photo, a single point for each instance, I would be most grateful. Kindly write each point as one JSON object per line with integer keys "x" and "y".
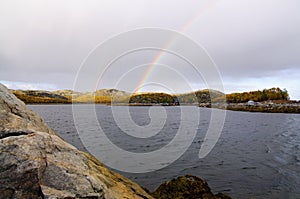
{"x": 255, "y": 44}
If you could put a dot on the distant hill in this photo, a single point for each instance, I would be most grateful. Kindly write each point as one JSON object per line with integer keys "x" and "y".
{"x": 69, "y": 96}
{"x": 106, "y": 96}
{"x": 258, "y": 96}
{"x": 66, "y": 93}
{"x": 153, "y": 98}
{"x": 40, "y": 97}
{"x": 200, "y": 96}
{"x": 112, "y": 93}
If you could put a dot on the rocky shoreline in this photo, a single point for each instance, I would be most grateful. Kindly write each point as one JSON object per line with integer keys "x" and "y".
{"x": 264, "y": 107}
{"x": 36, "y": 163}
{"x": 267, "y": 108}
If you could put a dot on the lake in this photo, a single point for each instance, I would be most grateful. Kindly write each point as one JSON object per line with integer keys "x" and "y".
{"x": 256, "y": 156}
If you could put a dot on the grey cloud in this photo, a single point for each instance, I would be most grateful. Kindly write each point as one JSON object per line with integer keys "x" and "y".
{"x": 249, "y": 38}
{"x": 46, "y": 41}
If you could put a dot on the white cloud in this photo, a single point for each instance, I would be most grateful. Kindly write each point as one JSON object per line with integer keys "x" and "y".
{"x": 28, "y": 86}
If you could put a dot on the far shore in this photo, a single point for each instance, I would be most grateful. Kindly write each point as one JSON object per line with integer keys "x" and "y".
{"x": 273, "y": 100}
{"x": 266, "y": 107}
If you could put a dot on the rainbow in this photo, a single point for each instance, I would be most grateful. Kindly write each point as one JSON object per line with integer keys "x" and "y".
{"x": 159, "y": 56}
{"x": 149, "y": 70}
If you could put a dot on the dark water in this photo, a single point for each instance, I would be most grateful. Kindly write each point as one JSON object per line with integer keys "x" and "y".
{"x": 257, "y": 155}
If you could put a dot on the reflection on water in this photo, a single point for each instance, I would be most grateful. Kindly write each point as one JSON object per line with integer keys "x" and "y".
{"x": 257, "y": 155}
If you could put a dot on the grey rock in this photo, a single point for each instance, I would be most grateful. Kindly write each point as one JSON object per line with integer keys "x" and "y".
{"x": 16, "y": 117}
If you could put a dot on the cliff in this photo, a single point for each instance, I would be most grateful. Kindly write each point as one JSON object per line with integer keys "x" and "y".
{"x": 37, "y": 163}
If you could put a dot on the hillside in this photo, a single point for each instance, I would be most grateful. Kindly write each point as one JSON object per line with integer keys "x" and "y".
{"x": 40, "y": 97}
{"x": 68, "y": 96}
{"x": 200, "y": 96}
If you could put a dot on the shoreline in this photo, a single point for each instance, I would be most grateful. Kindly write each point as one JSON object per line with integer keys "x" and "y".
{"x": 277, "y": 108}
{"x": 293, "y": 108}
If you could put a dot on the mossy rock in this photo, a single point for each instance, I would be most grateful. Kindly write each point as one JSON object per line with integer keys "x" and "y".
{"x": 186, "y": 187}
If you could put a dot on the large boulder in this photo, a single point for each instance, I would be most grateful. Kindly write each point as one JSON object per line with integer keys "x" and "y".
{"x": 37, "y": 163}
{"x": 186, "y": 187}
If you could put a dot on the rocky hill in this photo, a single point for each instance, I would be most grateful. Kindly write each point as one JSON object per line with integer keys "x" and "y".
{"x": 200, "y": 96}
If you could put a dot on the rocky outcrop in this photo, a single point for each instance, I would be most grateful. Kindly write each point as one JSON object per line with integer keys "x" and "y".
{"x": 185, "y": 187}
{"x": 36, "y": 163}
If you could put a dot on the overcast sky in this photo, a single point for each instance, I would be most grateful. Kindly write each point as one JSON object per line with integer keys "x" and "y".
{"x": 254, "y": 43}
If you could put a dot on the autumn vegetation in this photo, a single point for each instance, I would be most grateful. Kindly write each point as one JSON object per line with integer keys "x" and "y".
{"x": 153, "y": 98}
{"x": 40, "y": 97}
{"x": 258, "y": 96}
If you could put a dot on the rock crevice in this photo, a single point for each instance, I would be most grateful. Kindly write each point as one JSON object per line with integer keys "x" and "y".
{"x": 4, "y": 134}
